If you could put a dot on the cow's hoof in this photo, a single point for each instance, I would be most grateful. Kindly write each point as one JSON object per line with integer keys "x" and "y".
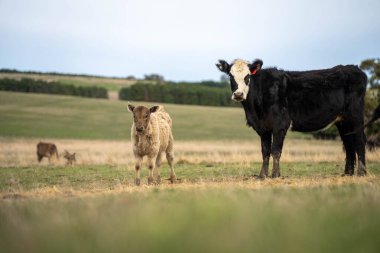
{"x": 263, "y": 173}
{"x": 276, "y": 174}
{"x": 261, "y": 177}
{"x": 349, "y": 172}
{"x": 361, "y": 169}
{"x": 137, "y": 181}
{"x": 150, "y": 180}
{"x": 158, "y": 179}
{"x": 173, "y": 179}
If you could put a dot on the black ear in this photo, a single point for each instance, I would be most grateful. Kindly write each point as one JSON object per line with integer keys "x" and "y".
{"x": 223, "y": 66}
{"x": 255, "y": 66}
{"x": 131, "y": 107}
{"x": 154, "y": 109}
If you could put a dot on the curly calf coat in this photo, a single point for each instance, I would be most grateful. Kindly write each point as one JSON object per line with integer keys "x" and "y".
{"x": 151, "y": 135}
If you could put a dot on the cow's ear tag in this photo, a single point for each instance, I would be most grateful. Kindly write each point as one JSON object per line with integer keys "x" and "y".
{"x": 253, "y": 72}
{"x": 255, "y": 66}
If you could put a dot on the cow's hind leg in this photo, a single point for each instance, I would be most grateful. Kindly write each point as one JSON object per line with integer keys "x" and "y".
{"x": 39, "y": 157}
{"x": 348, "y": 145}
{"x": 360, "y": 141}
{"x": 266, "y": 142}
{"x": 158, "y": 167}
{"x": 170, "y": 157}
{"x": 278, "y": 142}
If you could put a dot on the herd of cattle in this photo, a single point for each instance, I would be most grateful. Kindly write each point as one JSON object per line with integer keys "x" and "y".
{"x": 273, "y": 101}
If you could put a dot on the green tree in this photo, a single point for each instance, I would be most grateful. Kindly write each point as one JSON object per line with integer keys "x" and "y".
{"x": 372, "y": 67}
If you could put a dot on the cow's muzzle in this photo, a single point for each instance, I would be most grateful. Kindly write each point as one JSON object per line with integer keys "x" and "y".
{"x": 140, "y": 129}
{"x": 238, "y": 96}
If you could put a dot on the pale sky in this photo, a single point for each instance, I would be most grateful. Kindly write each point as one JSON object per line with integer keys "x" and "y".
{"x": 182, "y": 40}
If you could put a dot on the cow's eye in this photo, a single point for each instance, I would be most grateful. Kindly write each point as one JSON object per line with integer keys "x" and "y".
{"x": 246, "y": 79}
{"x": 146, "y": 116}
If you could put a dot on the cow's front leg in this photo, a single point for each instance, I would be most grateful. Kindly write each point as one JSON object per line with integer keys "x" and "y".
{"x": 151, "y": 163}
{"x": 266, "y": 142}
{"x": 137, "y": 170}
{"x": 278, "y": 141}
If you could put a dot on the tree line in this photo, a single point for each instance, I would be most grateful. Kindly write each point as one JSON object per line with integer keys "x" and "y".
{"x": 205, "y": 93}
{"x": 40, "y": 73}
{"x": 39, "y": 86}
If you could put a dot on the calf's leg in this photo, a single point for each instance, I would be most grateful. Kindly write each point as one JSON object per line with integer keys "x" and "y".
{"x": 39, "y": 157}
{"x": 158, "y": 167}
{"x": 137, "y": 170}
{"x": 170, "y": 157}
{"x": 151, "y": 164}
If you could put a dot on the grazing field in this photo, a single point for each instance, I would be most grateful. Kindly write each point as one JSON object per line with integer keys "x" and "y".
{"x": 217, "y": 205}
{"x": 46, "y": 116}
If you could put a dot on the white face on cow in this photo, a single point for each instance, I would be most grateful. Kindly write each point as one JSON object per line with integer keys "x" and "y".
{"x": 240, "y": 73}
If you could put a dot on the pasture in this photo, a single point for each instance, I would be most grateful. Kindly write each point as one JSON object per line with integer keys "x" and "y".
{"x": 217, "y": 205}
{"x": 44, "y": 116}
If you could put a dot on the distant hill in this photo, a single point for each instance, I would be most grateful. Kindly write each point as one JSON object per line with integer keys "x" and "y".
{"x": 109, "y": 83}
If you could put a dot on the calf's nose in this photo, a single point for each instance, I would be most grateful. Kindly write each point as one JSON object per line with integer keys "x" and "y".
{"x": 139, "y": 129}
{"x": 238, "y": 94}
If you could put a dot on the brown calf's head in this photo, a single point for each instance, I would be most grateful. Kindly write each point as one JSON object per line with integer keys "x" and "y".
{"x": 141, "y": 116}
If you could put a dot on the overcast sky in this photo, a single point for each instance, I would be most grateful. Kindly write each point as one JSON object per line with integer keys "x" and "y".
{"x": 182, "y": 40}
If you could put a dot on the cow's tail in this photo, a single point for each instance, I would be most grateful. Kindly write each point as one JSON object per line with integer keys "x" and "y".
{"x": 375, "y": 116}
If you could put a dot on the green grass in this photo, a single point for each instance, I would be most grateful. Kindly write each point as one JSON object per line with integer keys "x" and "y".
{"x": 47, "y": 116}
{"x": 101, "y": 83}
{"x": 110, "y": 177}
{"x": 230, "y": 218}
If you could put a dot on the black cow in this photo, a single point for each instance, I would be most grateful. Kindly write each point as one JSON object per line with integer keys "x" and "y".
{"x": 274, "y": 100}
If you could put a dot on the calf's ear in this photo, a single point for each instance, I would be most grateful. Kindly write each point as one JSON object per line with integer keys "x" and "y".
{"x": 255, "y": 66}
{"x": 223, "y": 66}
{"x": 131, "y": 107}
{"x": 154, "y": 109}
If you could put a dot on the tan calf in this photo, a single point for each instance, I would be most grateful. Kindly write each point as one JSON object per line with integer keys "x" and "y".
{"x": 151, "y": 135}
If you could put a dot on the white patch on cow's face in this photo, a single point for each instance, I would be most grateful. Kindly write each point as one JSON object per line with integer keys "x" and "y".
{"x": 239, "y": 71}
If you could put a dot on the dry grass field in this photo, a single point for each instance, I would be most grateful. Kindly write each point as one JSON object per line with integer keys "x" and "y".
{"x": 16, "y": 152}
{"x": 105, "y": 167}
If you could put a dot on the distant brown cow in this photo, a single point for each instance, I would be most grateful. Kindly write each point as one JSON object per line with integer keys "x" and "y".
{"x": 70, "y": 158}
{"x": 45, "y": 149}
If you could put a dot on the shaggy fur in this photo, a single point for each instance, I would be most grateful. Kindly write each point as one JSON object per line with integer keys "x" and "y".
{"x": 45, "y": 149}
{"x": 151, "y": 135}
